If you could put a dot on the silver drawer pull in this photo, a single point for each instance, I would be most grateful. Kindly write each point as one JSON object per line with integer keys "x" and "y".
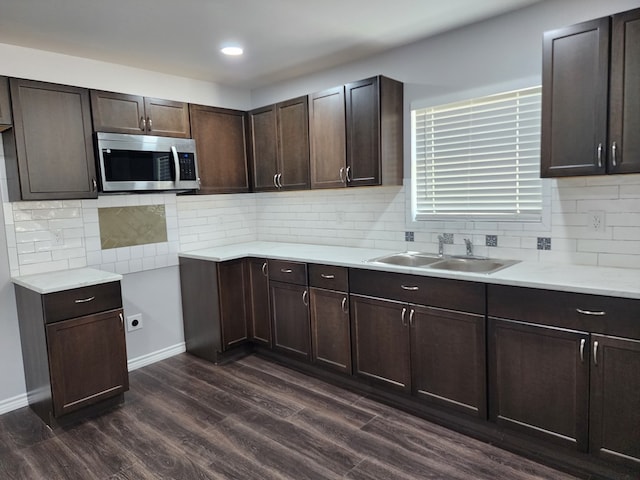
{"x": 84, "y": 300}
{"x": 328, "y": 277}
{"x": 286, "y": 270}
{"x": 411, "y": 288}
{"x": 591, "y": 312}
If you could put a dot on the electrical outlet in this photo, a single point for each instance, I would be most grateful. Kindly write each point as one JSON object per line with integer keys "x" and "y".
{"x": 134, "y": 322}
{"x": 595, "y": 221}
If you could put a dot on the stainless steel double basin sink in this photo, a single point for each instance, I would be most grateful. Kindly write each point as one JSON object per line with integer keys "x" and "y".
{"x": 457, "y": 263}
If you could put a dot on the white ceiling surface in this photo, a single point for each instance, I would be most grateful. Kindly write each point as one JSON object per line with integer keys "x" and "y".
{"x": 282, "y": 39}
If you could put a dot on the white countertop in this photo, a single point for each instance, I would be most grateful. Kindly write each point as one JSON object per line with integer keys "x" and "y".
{"x": 65, "y": 279}
{"x": 616, "y": 282}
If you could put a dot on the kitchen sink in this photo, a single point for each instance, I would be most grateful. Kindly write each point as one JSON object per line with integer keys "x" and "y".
{"x": 473, "y": 264}
{"x": 407, "y": 259}
{"x": 457, "y": 263}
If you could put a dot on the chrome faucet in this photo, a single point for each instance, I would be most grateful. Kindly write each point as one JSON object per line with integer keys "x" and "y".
{"x": 440, "y": 245}
{"x": 469, "y": 246}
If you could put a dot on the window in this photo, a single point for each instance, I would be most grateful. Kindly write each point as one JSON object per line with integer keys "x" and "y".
{"x": 478, "y": 158}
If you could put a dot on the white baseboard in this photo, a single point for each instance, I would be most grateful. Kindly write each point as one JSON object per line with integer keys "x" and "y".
{"x": 13, "y": 403}
{"x": 156, "y": 356}
{"x": 19, "y": 401}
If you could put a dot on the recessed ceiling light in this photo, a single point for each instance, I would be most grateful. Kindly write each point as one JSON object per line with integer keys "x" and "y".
{"x": 233, "y": 51}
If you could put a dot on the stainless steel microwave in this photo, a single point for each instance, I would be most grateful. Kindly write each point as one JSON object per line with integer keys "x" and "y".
{"x": 130, "y": 163}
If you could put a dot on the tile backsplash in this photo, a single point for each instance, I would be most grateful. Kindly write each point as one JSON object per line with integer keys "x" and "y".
{"x": 54, "y": 235}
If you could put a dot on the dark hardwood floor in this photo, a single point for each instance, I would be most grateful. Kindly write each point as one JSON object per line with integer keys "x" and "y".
{"x": 187, "y": 419}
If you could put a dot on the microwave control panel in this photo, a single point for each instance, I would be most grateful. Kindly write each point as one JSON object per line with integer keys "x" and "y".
{"x": 187, "y": 166}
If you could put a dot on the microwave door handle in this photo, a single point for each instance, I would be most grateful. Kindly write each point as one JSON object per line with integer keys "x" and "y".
{"x": 176, "y": 163}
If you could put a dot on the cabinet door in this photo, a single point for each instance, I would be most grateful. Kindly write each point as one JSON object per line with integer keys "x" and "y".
{"x": 118, "y": 112}
{"x": 258, "y": 319}
{"x": 615, "y": 399}
{"x": 575, "y": 76}
{"x": 381, "y": 341}
{"x": 448, "y": 358}
{"x": 264, "y": 150}
{"x": 167, "y": 118}
{"x": 231, "y": 285}
{"x": 330, "y": 330}
{"x": 539, "y": 381}
{"x": 624, "y": 106}
{"x": 327, "y": 138}
{"x": 363, "y": 132}
{"x": 53, "y": 141}
{"x": 290, "y": 316}
{"x": 293, "y": 143}
{"x": 5, "y": 104}
{"x": 221, "y": 143}
{"x": 88, "y": 360}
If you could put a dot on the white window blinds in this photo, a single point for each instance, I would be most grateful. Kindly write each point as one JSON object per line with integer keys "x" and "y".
{"x": 479, "y": 157}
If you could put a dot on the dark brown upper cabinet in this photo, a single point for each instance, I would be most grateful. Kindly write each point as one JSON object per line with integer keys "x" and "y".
{"x": 49, "y": 152}
{"x": 355, "y": 134}
{"x": 221, "y": 142}
{"x": 374, "y": 110}
{"x": 280, "y": 146}
{"x": 133, "y": 114}
{"x": 588, "y": 114}
{"x": 5, "y": 104}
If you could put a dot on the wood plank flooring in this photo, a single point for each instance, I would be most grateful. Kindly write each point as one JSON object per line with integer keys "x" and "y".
{"x": 187, "y": 419}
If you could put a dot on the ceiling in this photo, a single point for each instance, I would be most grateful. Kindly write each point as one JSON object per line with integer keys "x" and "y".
{"x": 282, "y": 38}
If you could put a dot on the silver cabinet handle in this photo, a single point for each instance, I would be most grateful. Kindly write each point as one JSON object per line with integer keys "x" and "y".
{"x": 348, "y": 174}
{"x": 582, "y": 343}
{"x": 94, "y": 184}
{"x": 344, "y": 305}
{"x": 591, "y": 312}
{"x": 342, "y": 179}
{"x": 279, "y": 180}
{"x": 600, "y": 148}
{"x": 305, "y": 298}
{"x": 121, "y": 319}
{"x": 149, "y": 124}
{"x": 264, "y": 269}
{"x": 275, "y": 180}
{"x": 328, "y": 277}
{"x": 143, "y": 124}
{"x": 411, "y": 288}
{"x": 84, "y": 300}
{"x": 595, "y": 353}
{"x": 614, "y": 154}
{"x": 404, "y": 313}
{"x": 411, "y": 315}
{"x": 286, "y": 270}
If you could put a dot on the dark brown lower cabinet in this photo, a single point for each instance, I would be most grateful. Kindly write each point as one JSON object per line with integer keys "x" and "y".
{"x": 615, "y": 399}
{"x": 448, "y": 358}
{"x": 539, "y": 381}
{"x": 233, "y": 302}
{"x": 290, "y": 317}
{"x": 87, "y": 359}
{"x": 258, "y": 319}
{"x": 381, "y": 341}
{"x": 330, "y": 329}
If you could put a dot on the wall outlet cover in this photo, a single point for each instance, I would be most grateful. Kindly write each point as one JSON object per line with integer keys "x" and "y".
{"x": 134, "y": 322}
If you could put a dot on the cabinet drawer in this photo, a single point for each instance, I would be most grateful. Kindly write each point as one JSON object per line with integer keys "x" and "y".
{"x": 288, "y": 272}
{"x": 329, "y": 277}
{"x": 81, "y": 301}
{"x": 592, "y": 313}
{"x": 437, "y": 292}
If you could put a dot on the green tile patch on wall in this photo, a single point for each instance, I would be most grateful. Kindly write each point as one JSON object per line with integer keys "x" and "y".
{"x": 130, "y": 226}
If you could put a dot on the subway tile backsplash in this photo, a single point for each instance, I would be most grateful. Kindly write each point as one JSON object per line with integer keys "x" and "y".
{"x": 53, "y": 235}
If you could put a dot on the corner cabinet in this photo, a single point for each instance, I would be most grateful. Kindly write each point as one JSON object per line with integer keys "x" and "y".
{"x": 590, "y": 112}
{"x": 49, "y": 151}
{"x": 355, "y": 134}
{"x": 122, "y": 113}
{"x": 221, "y": 139}
{"x": 74, "y": 350}
{"x": 280, "y": 146}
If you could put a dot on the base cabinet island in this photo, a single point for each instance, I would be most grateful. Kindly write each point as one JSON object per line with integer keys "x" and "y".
{"x": 73, "y": 343}
{"x": 542, "y": 361}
